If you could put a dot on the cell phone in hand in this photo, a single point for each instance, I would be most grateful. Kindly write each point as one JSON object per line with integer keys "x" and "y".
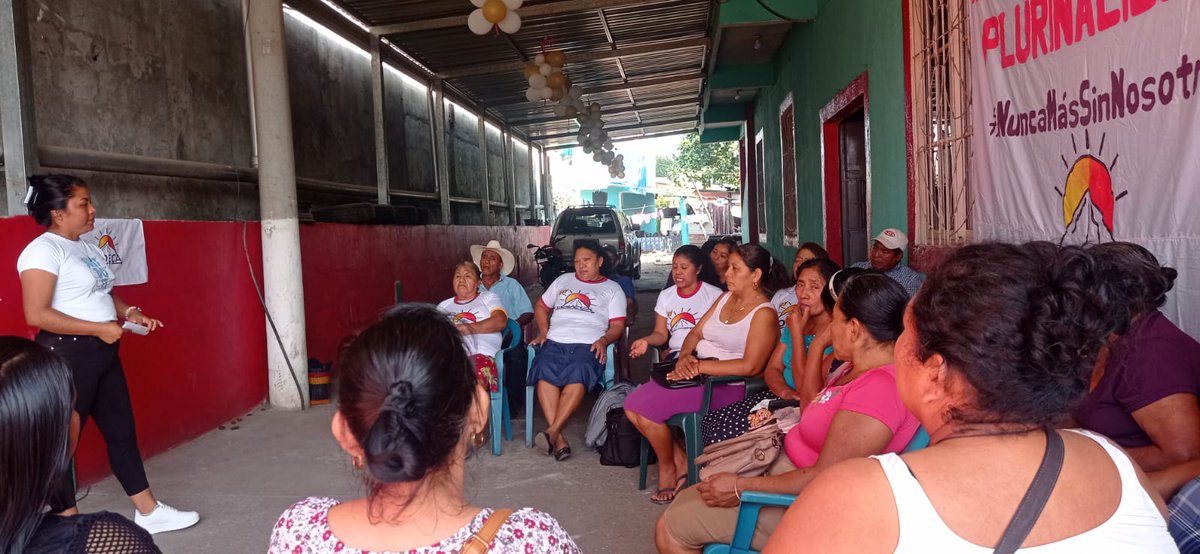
{"x": 135, "y": 328}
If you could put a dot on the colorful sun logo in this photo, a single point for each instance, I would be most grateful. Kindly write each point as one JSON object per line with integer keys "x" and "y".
{"x": 464, "y": 317}
{"x": 579, "y": 297}
{"x": 1089, "y": 186}
{"x": 106, "y": 241}
{"x": 681, "y": 317}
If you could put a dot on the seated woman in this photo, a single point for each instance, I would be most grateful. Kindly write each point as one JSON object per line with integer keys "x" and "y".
{"x": 997, "y": 347}
{"x": 719, "y": 256}
{"x": 858, "y": 414}
{"x": 1144, "y": 396}
{"x": 785, "y": 298}
{"x": 806, "y": 319}
{"x": 679, "y": 311}
{"x": 411, "y": 362}
{"x": 36, "y": 444}
{"x": 579, "y": 315}
{"x": 480, "y": 317}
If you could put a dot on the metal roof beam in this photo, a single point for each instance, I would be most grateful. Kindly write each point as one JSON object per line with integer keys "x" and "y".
{"x": 550, "y": 8}
{"x": 669, "y": 79}
{"x": 621, "y": 128}
{"x": 625, "y": 109}
{"x": 625, "y": 139}
{"x": 617, "y": 53}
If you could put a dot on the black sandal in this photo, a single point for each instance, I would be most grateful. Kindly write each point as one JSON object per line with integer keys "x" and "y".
{"x": 562, "y": 453}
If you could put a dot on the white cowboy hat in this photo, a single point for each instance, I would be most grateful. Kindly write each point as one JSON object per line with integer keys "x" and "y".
{"x": 510, "y": 262}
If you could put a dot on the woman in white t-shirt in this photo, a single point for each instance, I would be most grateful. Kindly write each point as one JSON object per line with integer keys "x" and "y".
{"x": 66, "y": 291}
{"x": 681, "y": 306}
{"x": 579, "y": 315}
{"x": 480, "y": 317}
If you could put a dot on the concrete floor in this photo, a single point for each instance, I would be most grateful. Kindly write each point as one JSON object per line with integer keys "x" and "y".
{"x": 241, "y": 479}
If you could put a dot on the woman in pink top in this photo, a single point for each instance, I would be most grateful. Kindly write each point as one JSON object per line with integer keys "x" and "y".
{"x": 857, "y": 414}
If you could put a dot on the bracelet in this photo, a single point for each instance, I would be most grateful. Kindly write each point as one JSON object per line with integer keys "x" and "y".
{"x": 735, "y": 489}
{"x": 130, "y": 309}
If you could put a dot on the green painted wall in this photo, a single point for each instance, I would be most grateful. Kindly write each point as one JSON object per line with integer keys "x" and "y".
{"x": 817, "y": 61}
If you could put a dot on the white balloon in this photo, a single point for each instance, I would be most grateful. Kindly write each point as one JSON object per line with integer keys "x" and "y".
{"x": 587, "y": 149}
{"x": 531, "y": 94}
{"x": 545, "y": 69}
{"x": 560, "y": 111}
{"x": 581, "y": 138}
{"x": 620, "y": 157}
{"x": 537, "y": 81}
{"x": 477, "y": 23}
{"x": 608, "y": 145}
{"x": 597, "y": 156}
{"x": 539, "y": 59}
{"x": 608, "y": 157}
{"x": 621, "y": 175}
{"x": 510, "y": 4}
{"x": 575, "y": 92}
{"x": 511, "y": 23}
{"x": 594, "y": 108}
{"x": 478, "y": 3}
{"x": 547, "y": 93}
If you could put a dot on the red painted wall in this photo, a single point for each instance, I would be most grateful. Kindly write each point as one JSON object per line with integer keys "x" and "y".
{"x": 208, "y": 365}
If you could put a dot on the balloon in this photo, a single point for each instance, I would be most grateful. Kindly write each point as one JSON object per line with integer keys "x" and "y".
{"x": 575, "y": 91}
{"x": 545, "y": 69}
{"x": 608, "y": 157}
{"x": 594, "y": 108}
{"x": 539, "y": 59}
{"x": 478, "y": 3}
{"x": 494, "y": 10}
{"x": 556, "y": 80}
{"x": 556, "y": 58}
{"x": 478, "y": 24}
{"x": 537, "y": 80}
{"x": 621, "y": 175}
{"x": 557, "y": 94}
{"x": 597, "y": 156}
{"x": 511, "y": 23}
{"x": 547, "y": 93}
{"x": 560, "y": 111}
{"x": 532, "y": 95}
{"x": 608, "y": 144}
{"x": 511, "y": 4}
{"x": 571, "y": 111}
{"x": 586, "y": 149}
{"x": 530, "y": 69}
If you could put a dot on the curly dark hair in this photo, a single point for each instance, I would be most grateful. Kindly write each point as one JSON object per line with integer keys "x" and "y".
{"x": 1133, "y": 279}
{"x": 1022, "y": 324}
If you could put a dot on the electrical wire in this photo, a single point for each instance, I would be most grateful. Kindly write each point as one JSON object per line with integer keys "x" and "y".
{"x": 777, "y": 14}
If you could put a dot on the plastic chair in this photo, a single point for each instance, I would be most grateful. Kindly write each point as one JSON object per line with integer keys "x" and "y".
{"x": 500, "y": 416}
{"x": 606, "y": 379}
{"x": 693, "y": 440}
{"x": 754, "y": 501}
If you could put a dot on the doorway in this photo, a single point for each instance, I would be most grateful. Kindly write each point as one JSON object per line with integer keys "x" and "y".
{"x": 846, "y": 163}
{"x": 853, "y": 156}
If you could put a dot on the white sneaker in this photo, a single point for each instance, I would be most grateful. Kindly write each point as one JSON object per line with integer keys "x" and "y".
{"x": 165, "y": 518}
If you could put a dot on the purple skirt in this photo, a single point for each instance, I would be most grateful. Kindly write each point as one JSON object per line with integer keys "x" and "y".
{"x": 658, "y": 404}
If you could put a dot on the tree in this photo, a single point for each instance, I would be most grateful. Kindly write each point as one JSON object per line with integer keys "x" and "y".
{"x": 707, "y": 165}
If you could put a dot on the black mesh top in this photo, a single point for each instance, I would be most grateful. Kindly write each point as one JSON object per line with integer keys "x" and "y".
{"x": 98, "y": 533}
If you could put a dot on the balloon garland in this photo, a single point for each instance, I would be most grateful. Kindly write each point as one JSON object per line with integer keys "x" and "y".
{"x": 545, "y": 75}
{"x": 495, "y": 14}
{"x": 595, "y": 140}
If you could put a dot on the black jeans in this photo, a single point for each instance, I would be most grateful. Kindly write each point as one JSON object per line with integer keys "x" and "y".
{"x": 100, "y": 393}
{"x": 516, "y": 364}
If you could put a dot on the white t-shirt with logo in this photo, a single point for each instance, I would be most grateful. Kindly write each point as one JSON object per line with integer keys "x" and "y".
{"x": 474, "y": 311}
{"x": 84, "y": 286}
{"x": 785, "y": 303}
{"x": 582, "y": 310}
{"x": 684, "y": 312}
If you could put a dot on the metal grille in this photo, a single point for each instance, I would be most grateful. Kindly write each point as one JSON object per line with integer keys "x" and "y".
{"x": 941, "y": 121}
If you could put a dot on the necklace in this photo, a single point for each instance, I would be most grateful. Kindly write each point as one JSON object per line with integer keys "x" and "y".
{"x": 736, "y": 311}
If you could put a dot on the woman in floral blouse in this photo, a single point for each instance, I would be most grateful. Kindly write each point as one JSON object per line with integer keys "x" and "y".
{"x": 409, "y": 413}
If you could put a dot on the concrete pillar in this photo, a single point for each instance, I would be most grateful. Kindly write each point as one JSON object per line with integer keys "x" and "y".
{"x": 437, "y": 127}
{"x": 486, "y": 196}
{"x": 533, "y": 195}
{"x": 382, "y": 176}
{"x": 547, "y": 188}
{"x": 282, "y": 275}
{"x": 510, "y": 179}
{"x": 750, "y": 197}
{"x": 17, "y": 129}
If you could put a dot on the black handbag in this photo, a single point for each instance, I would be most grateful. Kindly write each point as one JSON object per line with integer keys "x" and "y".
{"x": 659, "y": 372}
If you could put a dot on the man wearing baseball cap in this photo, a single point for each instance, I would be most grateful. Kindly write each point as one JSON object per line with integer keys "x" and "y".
{"x": 495, "y": 263}
{"x": 886, "y": 252}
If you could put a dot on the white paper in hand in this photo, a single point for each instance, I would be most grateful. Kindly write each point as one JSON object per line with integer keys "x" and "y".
{"x": 135, "y": 328}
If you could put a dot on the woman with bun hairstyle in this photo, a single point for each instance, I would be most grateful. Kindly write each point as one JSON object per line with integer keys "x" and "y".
{"x": 1143, "y": 396}
{"x": 998, "y": 346}
{"x": 67, "y": 293}
{"x": 409, "y": 412}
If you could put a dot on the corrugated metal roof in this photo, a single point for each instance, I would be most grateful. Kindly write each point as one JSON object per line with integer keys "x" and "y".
{"x": 501, "y": 90}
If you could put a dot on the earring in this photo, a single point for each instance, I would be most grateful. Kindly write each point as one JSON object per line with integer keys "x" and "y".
{"x": 358, "y": 462}
{"x": 478, "y": 438}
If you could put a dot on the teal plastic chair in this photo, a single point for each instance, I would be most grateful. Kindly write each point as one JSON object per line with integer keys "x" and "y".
{"x": 606, "y": 380}
{"x": 754, "y": 501}
{"x": 693, "y": 440}
{"x": 500, "y": 417}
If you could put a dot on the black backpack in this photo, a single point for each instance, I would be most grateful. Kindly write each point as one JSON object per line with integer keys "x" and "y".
{"x": 622, "y": 447}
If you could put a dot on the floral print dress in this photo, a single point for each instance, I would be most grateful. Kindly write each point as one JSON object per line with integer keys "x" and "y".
{"x": 304, "y": 529}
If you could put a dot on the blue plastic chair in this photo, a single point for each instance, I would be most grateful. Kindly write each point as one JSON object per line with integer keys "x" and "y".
{"x": 500, "y": 415}
{"x": 754, "y": 501}
{"x": 693, "y": 440}
{"x": 607, "y": 380}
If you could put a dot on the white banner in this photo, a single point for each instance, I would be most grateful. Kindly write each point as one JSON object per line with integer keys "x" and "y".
{"x": 1086, "y": 128}
{"x": 123, "y": 244}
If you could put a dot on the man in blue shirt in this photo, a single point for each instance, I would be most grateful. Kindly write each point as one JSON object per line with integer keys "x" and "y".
{"x": 886, "y": 252}
{"x": 495, "y": 263}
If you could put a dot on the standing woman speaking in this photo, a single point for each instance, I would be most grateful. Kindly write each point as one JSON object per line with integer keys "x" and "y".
{"x": 66, "y": 290}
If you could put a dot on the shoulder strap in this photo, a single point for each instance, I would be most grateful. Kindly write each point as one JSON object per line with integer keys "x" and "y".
{"x": 481, "y": 542}
{"x": 1035, "y": 498}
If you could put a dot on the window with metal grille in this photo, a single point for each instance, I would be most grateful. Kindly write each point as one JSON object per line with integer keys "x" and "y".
{"x": 941, "y": 121}
{"x": 787, "y": 143}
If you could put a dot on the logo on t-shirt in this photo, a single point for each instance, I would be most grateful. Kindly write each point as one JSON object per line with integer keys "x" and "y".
{"x": 104, "y": 277}
{"x": 463, "y": 317}
{"x": 578, "y": 301}
{"x": 108, "y": 247}
{"x": 785, "y": 310}
{"x": 680, "y": 320}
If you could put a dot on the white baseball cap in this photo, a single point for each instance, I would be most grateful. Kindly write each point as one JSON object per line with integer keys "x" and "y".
{"x": 893, "y": 239}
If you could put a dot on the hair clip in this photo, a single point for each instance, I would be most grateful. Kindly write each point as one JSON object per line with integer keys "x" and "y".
{"x": 832, "y": 278}
{"x": 30, "y": 194}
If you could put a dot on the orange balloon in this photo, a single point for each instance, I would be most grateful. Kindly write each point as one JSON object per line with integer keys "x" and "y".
{"x": 557, "y": 94}
{"x": 556, "y": 81}
{"x": 556, "y": 58}
{"x": 530, "y": 69}
{"x": 494, "y": 10}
